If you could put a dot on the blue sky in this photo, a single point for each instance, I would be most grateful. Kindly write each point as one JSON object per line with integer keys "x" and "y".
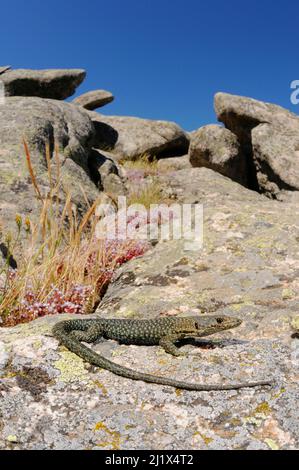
{"x": 162, "y": 59}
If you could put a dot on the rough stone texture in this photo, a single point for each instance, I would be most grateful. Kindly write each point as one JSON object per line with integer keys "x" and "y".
{"x": 55, "y": 84}
{"x": 94, "y": 99}
{"x": 42, "y": 121}
{"x": 217, "y": 148}
{"x": 131, "y": 137}
{"x": 107, "y": 174}
{"x": 276, "y": 157}
{"x": 174, "y": 163}
{"x": 234, "y": 110}
{"x": 4, "y": 69}
{"x": 248, "y": 267}
{"x": 272, "y": 150}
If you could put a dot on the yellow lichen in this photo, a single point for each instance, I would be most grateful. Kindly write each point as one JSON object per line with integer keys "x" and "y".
{"x": 130, "y": 426}
{"x": 37, "y": 344}
{"x": 263, "y": 409}
{"x": 71, "y": 367}
{"x": 10, "y": 375}
{"x": 207, "y": 440}
{"x": 235, "y": 422}
{"x": 278, "y": 394}
{"x": 162, "y": 362}
{"x": 241, "y": 304}
{"x": 287, "y": 294}
{"x": 126, "y": 313}
{"x": 272, "y": 444}
{"x": 114, "y": 440}
{"x": 295, "y": 323}
{"x": 259, "y": 414}
{"x": 101, "y": 387}
{"x": 253, "y": 420}
{"x": 119, "y": 351}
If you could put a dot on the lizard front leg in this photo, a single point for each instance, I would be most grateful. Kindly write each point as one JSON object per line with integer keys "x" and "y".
{"x": 168, "y": 344}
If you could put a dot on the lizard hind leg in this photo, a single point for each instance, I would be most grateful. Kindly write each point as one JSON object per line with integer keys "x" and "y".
{"x": 93, "y": 333}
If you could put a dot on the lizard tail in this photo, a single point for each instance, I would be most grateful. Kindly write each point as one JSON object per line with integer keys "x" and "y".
{"x": 92, "y": 357}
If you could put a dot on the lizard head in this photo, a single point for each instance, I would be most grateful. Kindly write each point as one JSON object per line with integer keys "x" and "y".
{"x": 205, "y": 326}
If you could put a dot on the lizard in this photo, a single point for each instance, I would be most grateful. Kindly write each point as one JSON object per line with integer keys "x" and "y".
{"x": 164, "y": 331}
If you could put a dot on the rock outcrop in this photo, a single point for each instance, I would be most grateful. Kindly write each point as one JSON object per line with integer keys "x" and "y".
{"x": 217, "y": 148}
{"x": 39, "y": 122}
{"x": 94, "y": 99}
{"x": 55, "y": 84}
{"x": 247, "y": 268}
{"x": 268, "y": 135}
{"x": 129, "y": 137}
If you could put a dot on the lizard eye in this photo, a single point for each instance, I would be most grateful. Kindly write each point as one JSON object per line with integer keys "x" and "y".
{"x": 196, "y": 325}
{"x": 219, "y": 320}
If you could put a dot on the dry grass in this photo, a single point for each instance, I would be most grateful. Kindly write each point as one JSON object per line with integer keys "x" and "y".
{"x": 143, "y": 187}
{"x": 147, "y": 194}
{"x": 148, "y": 166}
{"x": 145, "y": 164}
{"x": 62, "y": 267}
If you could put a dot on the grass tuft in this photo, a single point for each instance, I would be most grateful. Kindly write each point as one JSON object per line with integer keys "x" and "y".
{"x": 147, "y": 194}
{"x": 62, "y": 267}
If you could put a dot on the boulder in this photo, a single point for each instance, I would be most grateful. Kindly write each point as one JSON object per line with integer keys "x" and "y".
{"x": 131, "y": 137}
{"x": 218, "y": 148}
{"x": 239, "y": 113}
{"x": 271, "y": 150}
{"x": 94, "y": 99}
{"x": 276, "y": 158}
{"x": 55, "y": 84}
{"x": 42, "y": 121}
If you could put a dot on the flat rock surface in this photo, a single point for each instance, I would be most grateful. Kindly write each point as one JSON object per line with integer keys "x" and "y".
{"x": 248, "y": 268}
